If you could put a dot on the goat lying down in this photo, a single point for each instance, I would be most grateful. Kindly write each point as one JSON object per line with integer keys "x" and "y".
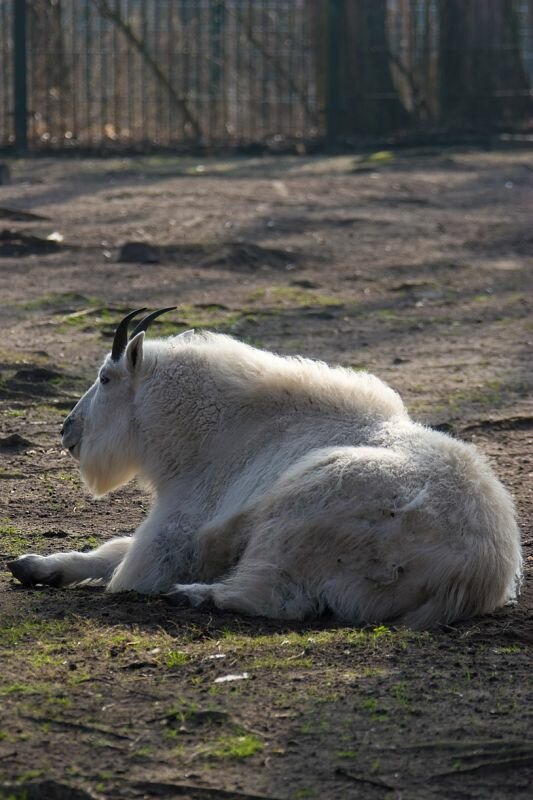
{"x": 283, "y": 487}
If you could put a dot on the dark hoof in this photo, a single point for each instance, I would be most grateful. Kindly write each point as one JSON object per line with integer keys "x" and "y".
{"x": 20, "y": 570}
{"x": 179, "y": 599}
{"x": 183, "y": 600}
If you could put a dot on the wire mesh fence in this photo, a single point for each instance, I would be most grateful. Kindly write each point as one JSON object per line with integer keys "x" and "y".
{"x": 7, "y": 132}
{"x": 139, "y": 74}
{"x": 162, "y": 73}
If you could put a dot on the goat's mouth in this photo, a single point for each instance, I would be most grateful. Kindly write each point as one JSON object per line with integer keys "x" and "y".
{"x": 74, "y": 450}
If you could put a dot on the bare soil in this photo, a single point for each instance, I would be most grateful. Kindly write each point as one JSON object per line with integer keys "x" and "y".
{"x": 416, "y": 266}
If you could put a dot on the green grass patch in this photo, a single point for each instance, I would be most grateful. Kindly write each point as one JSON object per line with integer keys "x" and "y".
{"x": 89, "y": 543}
{"x": 28, "y": 775}
{"x": 387, "y": 314}
{"x": 357, "y": 367}
{"x": 20, "y": 689}
{"x": 90, "y": 317}
{"x": 380, "y": 635}
{"x": 10, "y": 474}
{"x": 31, "y": 632}
{"x": 213, "y": 317}
{"x": 12, "y": 541}
{"x": 176, "y": 659}
{"x": 44, "y": 659}
{"x": 486, "y": 395}
{"x": 69, "y": 477}
{"x": 399, "y": 692}
{"x": 511, "y": 649}
{"x": 376, "y": 711}
{"x": 59, "y": 302}
{"x": 41, "y": 638}
{"x": 144, "y": 752}
{"x": 236, "y": 747}
{"x": 45, "y": 408}
{"x": 351, "y": 754}
{"x": 275, "y": 296}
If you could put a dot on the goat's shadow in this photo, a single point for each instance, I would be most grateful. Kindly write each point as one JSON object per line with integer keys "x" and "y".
{"x": 155, "y": 615}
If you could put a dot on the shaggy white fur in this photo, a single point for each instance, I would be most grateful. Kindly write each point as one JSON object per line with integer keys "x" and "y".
{"x": 284, "y": 487}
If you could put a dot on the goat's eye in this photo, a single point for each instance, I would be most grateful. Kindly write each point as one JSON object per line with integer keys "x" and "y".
{"x": 104, "y": 379}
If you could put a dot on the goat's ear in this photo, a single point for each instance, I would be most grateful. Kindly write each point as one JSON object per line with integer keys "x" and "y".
{"x": 134, "y": 352}
{"x": 186, "y": 335}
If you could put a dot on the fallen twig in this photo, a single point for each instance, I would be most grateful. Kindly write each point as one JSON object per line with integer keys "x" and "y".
{"x": 502, "y": 763}
{"x": 77, "y": 726}
{"x": 17, "y": 215}
{"x": 476, "y": 746}
{"x": 361, "y": 779}
{"x": 502, "y": 423}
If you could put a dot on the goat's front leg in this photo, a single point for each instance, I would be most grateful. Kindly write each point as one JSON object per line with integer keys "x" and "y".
{"x": 64, "y": 569}
{"x": 162, "y": 552}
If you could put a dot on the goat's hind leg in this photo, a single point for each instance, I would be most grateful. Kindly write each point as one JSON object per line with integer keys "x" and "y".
{"x": 64, "y": 569}
{"x": 244, "y": 593}
{"x": 309, "y": 543}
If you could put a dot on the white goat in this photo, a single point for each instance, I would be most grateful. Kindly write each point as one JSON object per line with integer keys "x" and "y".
{"x": 284, "y": 488}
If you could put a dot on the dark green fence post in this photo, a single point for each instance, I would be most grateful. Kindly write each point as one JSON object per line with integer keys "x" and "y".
{"x": 334, "y": 25}
{"x": 20, "y": 66}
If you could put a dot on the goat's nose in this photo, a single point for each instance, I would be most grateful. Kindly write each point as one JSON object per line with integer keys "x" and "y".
{"x": 65, "y": 425}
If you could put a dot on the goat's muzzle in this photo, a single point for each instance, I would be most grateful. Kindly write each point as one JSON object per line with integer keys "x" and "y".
{"x": 71, "y": 436}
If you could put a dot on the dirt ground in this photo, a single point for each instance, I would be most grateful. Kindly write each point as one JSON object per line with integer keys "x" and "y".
{"x": 414, "y": 265}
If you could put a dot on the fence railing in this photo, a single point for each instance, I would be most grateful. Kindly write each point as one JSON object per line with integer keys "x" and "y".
{"x": 138, "y": 74}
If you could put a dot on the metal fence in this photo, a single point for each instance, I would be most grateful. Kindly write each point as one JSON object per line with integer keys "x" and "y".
{"x": 137, "y": 73}
{"x": 140, "y": 74}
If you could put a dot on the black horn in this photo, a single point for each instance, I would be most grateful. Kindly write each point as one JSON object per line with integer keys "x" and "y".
{"x": 144, "y": 323}
{"x": 121, "y": 335}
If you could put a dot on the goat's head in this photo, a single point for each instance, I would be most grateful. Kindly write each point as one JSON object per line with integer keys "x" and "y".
{"x": 100, "y": 429}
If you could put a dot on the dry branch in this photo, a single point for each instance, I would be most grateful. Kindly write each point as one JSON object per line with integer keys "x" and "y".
{"x": 495, "y": 764}
{"x": 419, "y": 101}
{"x": 115, "y": 17}
{"x": 83, "y": 727}
{"x": 273, "y": 61}
{"x": 344, "y": 773}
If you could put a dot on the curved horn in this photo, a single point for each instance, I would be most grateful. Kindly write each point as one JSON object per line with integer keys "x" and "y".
{"x": 121, "y": 335}
{"x": 144, "y": 323}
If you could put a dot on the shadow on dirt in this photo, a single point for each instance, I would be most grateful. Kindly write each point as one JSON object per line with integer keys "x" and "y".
{"x": 239, "y": 256}
{"x": 17, "y": 244}
{"x": 154, "y": 615}
{"x": 33, "y": 382}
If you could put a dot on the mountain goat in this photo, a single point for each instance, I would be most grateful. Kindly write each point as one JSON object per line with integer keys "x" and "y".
{"x": 284, "y": 488}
